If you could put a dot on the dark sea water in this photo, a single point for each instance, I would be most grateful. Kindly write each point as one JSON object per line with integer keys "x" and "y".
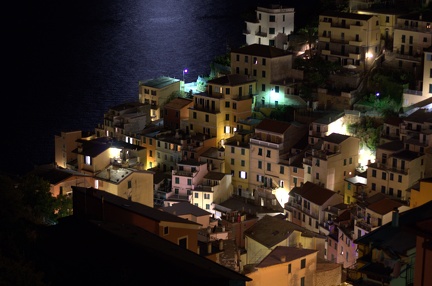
{"x": 82, "y": 57}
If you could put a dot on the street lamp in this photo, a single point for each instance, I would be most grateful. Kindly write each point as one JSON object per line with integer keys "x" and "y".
{"x": 184, "y": 71}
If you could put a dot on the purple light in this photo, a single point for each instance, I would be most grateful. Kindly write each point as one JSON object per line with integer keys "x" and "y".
{"x": 185, "y": 71}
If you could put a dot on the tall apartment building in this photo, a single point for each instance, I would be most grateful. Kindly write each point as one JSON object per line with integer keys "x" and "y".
{"x": 412, "y": 34}
{"x": 216, "y": 111}
{"x": 271, "y": 140}
{"x": 237, "y": 164}
{"x": 157, "y": 92}
{"x": 269, "y": 66}
{"x": 349, "y": 38}
{"x": 396, "y": 170}
{"x": 331, "y": 161}
{"x": 272, "y": 26}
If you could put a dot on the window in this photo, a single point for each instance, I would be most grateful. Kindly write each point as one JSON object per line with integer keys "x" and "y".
{"x": 242, "y": 151}
{"x": 232, "y": 150}
{"x": 374, "y": 173}
{"x": 260, "y": 151}
{"x": 268, "y": 153}
{"x": 165, "y": 230}
{"x": 391, "y": 176}
{"x": 227, "y": 117}
{"x": 232, "y": 161}
{"x": 227, "y": 104}
{"x": 237, "y": 57}
{"x": 263, "y": 88}
{"x": 246, "y": 59}
{"x": 196, "y": 195}
{"x": 263, "y": 62}
{"x": 259, "y": 164}
{"x": 207, "y": 118}
{"x": 88, "y": 160}
{"x": 227, "y": 91}
{"x": 295, "y": 170}
{"x": 207, "y": 206}
{"x": 289, "y": 268}
{"x": 400, "y": 178}
{"x": 243, "y": 162}
{"x": 268, "y": 166}
{"x": 243, "y": 175}
{"x": 271, "y": 31}
{"x": 384, "y": 175}
{"x": 373, "y": 187}
{"x": 303, "y": 263}
{"x": 272, "y": 18}
{"x": 177, "y": 180}
{"x": 189, "y": 182}
{"x": 207, "y": 196}
{"x": 317, "y": 176}
{"x": 302, "y": 281}
{"x": 281, "y": 169}
{"x": 263, "y": 74}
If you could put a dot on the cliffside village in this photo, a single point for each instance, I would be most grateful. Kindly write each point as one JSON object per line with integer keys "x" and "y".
{"x": 204, "y": 167}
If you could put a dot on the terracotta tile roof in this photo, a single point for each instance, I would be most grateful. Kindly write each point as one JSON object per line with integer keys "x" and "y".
{"x": 178, "y": 103}
{"x": 313, "y": 193}
{"x": 231, "y": 80}
{"x": 384, "y": 206}
{"x": 269, "y": 230}
{"x": 288, "y": 253}
{"x": 261, "y": 51}
{"x": 336, "y": 138}
{"x": 271, "y": 125}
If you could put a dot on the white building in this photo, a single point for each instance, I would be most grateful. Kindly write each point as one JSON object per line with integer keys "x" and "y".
{"x": 271, "y": 27}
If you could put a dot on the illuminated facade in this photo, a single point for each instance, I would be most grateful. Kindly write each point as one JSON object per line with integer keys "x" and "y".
{"x": 157, "y": 92}
{"x": 271, "y": 140}
{"x": 227, "y": 100}
{"x": 349, "y": 38}
{"x": 331, "y": 161}
{"x": 271, "y": 27}
{"x": 266, "y": 65}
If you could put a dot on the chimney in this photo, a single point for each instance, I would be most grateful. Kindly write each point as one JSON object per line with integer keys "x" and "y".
{"x": 221, "y": 244}
{"x": 395, "y": 217}
{"x": 283, "y": 259}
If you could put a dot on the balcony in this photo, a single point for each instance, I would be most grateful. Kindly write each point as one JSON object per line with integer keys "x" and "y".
{"x": 261, "y": 34}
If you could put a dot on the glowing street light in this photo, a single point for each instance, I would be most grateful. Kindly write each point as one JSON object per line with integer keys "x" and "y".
{"x": 184, "y": 71}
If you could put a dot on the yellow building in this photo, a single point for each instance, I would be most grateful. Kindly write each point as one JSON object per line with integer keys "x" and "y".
{"x": 216, "y": 111}
{"x": 396, "y": 170}
{"x": 286, "y": 265}
{"x": 422, "y": 194}
{"x": 64, "y": 144}
{"x": 412, "y": 34}
{"x": 237, "y": 164}
{"x": 349, "y": 38}
{"x": 266, "y": 65}
{"x": 355, "y": 189}
{"x": 130, "y": 184}
{"x": 330, "y": 162}
{"x": 157, "y": 92}
{"x": 271, "y": 140}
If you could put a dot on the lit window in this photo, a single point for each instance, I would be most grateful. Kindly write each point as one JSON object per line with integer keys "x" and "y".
{"x": 243, "y": 175}
{"x": 227, "y": 129}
